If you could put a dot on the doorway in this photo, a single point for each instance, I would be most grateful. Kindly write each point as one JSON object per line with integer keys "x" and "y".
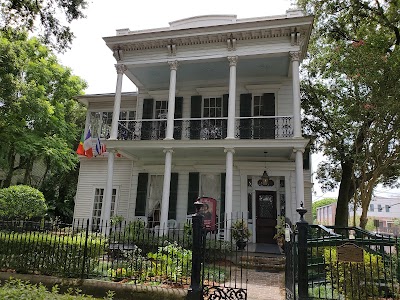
{"x": 265, "y": 216}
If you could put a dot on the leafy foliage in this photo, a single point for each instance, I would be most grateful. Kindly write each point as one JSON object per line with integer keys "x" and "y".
{"x": 48, "y": 253}
{"x": 240, "y": 230}
{"x": 52, "y": 16}
{"x": 351, "y": 96}
{"x": 171, "y": 262}
{"x": 351, "y": 276}
{"x": 38, "y": 117}
{"x": 21, "y": 202}
{"x": 23, "y": 290}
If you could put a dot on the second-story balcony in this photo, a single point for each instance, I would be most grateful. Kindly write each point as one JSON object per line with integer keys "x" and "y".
{"x": 275, "y": 127}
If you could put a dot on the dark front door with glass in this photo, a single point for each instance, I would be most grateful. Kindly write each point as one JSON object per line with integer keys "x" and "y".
{"x": 265, "y": 216}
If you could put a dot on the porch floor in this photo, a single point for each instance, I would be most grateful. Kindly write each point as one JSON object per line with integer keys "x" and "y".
{"x": 264, "y": 248}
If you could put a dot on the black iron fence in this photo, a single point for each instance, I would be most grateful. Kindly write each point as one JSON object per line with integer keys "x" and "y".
{"x": 126, "y": 251}
{"x": 341, "y": 263}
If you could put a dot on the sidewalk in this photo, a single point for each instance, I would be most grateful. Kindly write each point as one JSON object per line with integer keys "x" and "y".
{"x": 265, "y": 285}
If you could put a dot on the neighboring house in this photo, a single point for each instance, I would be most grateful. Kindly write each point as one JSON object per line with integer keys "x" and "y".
{"x": 383, "y": 210}
{"x": 36, "y": 176}
{"x": 218, "y": 104}
{"x": 326, "y": 214}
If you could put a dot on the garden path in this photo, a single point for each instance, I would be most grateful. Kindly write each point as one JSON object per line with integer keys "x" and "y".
{"x": 263, "y": 285}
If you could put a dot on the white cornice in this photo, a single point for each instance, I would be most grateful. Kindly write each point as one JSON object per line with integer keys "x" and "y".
{"x": 241, "y": 31}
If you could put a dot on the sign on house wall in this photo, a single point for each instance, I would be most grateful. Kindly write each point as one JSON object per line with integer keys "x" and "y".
{"x": 208, "y": 210}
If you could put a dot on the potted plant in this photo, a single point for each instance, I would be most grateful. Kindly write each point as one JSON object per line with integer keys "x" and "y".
{"x": 280, "y": 231}
{"x": 240, "y": 233}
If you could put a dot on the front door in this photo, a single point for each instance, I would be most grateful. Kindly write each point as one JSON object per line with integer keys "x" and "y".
{"x": 265, "y": 216}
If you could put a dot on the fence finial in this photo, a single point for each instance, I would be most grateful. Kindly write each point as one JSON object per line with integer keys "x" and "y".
{"x": 302, "y": 211}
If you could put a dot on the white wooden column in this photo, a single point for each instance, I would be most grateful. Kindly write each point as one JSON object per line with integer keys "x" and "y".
{"x": 228, "y": 190}
{"x": 299, "y": 177}
{"x": 232, "y": 97}
{"x": 295, "y": 58}
{"x": 107, "y": 198}
{"x": 166, "y": 188}
{"x": 173, "y": 65}
{"x": 117, "y": 102}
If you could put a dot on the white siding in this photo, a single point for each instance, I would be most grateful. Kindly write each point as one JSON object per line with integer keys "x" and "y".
{"x": 93, "y": 174}
{"x": 284, "y": 103}
{"x": 109, "y": 105}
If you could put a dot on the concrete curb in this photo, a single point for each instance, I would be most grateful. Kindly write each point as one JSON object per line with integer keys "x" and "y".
{"x": 99, "y": 288}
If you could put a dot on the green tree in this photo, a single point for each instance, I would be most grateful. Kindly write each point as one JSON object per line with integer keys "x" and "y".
{"x": 350, "y": 96}
{"x": 52, "y": 16}
{"x": 39, "y": 113}
{"x": 21, "y": 202}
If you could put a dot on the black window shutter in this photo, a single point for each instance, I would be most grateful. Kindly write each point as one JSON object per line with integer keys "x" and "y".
{"x": 245, "y": 111}
{"x": 141, "y": 194}
{"x": 225, "y": 101}
{"x": 268, "y": 104}
{"x": 148, "y": 107}
{"x": 268, "y": 107}
{"x": 178, "y": 115}
{"x": 193, "y": 192}
{"x": 173, "y": 196}
{"x": 222, "y": 207}
{"x": 306, "y": 159}
{"x": 195, "y": 112}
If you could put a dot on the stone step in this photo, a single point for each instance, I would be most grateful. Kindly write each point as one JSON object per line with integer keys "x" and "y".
{"x": 265, "y": 263}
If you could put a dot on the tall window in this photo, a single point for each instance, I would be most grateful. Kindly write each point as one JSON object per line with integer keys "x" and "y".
{"x": 212, "y": 108}
{"x": 98, "y": 204}
{"x": 100, "y": 122}
{"x": 161, "y": 109}
{"x": 257, "y": 106}
{"x": 371, "y": 207}
{"x": 387, "y": 208}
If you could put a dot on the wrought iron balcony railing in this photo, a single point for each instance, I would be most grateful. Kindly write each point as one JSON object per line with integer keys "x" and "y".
{"x": 264, "y": 127}
{"x": 207, "y": 128}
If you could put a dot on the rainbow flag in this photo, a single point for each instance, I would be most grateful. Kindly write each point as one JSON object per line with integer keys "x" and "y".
{"x": 80, "y": 150}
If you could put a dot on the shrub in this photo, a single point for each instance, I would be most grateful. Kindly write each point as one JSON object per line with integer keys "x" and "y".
{"x": 21, "y": 202}
{"x": 48, "y": 253}
{"x": 240, "y": 231}
{"x": 357, "y": 280}
{"x": 17, "y": 289}
{"x": 171, "y": 262}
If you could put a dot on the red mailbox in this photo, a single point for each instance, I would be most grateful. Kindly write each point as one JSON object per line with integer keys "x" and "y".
{"x": 209, "y": 210}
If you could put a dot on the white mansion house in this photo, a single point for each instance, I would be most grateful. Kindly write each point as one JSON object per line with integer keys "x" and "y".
{"x": 216, "y": 114}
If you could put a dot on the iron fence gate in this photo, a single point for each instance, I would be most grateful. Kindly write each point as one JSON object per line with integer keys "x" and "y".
{"x": 221, "y": 274}
{"x": 328, "y": 262}
{"x": 291, "y": 262}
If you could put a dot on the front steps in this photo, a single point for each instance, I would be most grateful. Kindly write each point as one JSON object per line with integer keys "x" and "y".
{"x": 263, "y": 262}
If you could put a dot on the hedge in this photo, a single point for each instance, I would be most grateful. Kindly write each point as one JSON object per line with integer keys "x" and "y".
{"x": 48, "y": 253}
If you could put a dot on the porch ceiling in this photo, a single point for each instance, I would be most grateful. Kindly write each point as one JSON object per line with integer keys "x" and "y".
{"x": 213, "y": 70}
{"x": 209, "y": 155}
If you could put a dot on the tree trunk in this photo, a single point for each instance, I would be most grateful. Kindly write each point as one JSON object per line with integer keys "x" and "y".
{"x": 28, "y": 170}
{"x": 345, "y": 193}
{"x": 10, "y": 171}
{"x": 363, "y": 218}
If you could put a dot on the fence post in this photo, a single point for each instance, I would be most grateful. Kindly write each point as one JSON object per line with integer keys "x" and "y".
{"x": 302, "y": 227}
{"x": 85, "y": 250}
{"x": 195, "y": 291}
